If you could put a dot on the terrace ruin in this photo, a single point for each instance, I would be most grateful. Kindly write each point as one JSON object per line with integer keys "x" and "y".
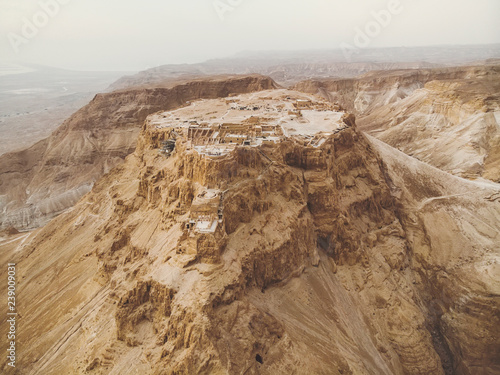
{"x": 216, "y": 127}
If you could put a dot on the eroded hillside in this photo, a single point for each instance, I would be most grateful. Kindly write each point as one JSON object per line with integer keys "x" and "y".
{"x": 264, "y": 234}
{"x": 448, "y": 118}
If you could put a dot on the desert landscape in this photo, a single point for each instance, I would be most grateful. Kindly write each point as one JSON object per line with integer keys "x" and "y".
{"x": 35, "y": 100}
{"x": 264, "y": 208}
{"x": 272, "y": 212}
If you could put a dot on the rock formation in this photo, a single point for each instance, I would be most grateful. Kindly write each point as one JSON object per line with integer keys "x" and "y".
{"x": 342, "y": 257}
{"x": 51, "y": 176}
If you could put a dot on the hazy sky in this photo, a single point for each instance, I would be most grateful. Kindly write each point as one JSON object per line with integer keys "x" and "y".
{"x": 134, "y": 35}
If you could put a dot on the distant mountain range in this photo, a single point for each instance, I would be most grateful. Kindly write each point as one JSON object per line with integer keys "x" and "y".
{"x": 289, "y": 67}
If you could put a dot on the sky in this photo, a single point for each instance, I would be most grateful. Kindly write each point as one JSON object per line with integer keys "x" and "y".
{"x": 129, "y": 35}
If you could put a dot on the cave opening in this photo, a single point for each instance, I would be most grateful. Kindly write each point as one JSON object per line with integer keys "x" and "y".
{"x": 259, "y": 359}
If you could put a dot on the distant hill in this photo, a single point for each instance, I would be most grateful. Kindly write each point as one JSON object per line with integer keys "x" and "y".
{"x": 290, "y": 67}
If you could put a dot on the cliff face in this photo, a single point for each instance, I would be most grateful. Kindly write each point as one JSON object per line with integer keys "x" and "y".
{"x": 453, "y": 125}
{"x": 333, "y": 259}
{"x": 452, "y": 230}
{"x": 445, "y": 117}
{"x": 38, "y": 183}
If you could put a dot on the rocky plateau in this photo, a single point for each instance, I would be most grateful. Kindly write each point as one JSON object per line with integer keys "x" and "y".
{"x": 49, "y": 177}
{"x": 344, "y": 256}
